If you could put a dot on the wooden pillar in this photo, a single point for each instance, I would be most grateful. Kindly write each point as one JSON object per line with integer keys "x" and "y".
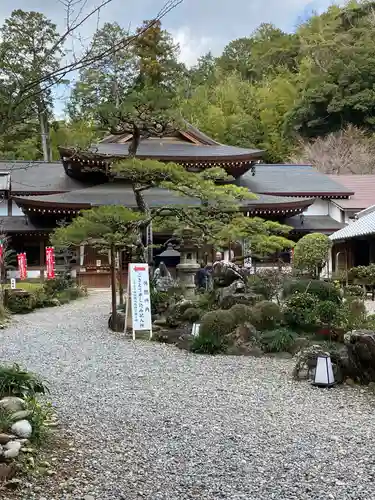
{"x": 42, "y": 249}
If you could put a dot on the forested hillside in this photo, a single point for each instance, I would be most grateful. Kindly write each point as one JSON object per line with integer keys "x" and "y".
{"x": 307, "y": 96}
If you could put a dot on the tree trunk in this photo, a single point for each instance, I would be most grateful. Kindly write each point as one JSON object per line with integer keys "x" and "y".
{"x": 120, "y": 284}
{"x": 44, "y": 131}
{"x": 113, "y": 287}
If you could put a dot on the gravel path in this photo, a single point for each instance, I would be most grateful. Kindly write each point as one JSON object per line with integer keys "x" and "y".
{"x": 156, "y": 423}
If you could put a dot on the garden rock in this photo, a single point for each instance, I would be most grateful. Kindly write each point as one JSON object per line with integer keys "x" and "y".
{"x": 360, "y": 345}
{"x": 12, "y": 449}
{"x": 20, "y": 415}
{"x": 4, "y": 439}
{"x": 225, "y": 273}
{"x": 12, "y": 404}
{"x": 22, "y": 428}
{"x": 174, "y": 317}
{"x": 234, "y": 294}
{"x": 299, "y": 344}
{"x": 7, "y": 472}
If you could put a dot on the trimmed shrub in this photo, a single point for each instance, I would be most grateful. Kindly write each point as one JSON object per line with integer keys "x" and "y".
{"x": 58, "y": 284}
{"x": 266, "y": 315}
{"x": 323, "y": 290}
{"x": 327, "y": 312}
{"x": 354, "y": 314}
{"x": 278, "y": 340}
{"x": 191, "y": 315}
{"x": 219, "y": 322}
{"x": 215, "y": 325}
{"x": 241, "y": 313}
{"x": 354, "y": 291}
{"x": 300, "y": 310}
{"x": 19, "y": 301}
{"x": 266, "y": 283}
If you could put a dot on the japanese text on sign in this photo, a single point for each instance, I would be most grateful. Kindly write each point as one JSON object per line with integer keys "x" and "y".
{"x": 140, "y": 297}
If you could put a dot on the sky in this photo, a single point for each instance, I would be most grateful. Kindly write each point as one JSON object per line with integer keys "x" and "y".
{"x": 198, "y": 26}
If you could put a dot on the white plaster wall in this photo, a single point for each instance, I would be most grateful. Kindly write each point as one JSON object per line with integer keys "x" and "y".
{"x": 16, "y": 209}
{"x": 319, "y": 207}
{"x": 335, "y": 212}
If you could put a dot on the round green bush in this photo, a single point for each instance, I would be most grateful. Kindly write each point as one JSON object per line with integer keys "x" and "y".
{"x": 323, "y": 290}
{"x": 266, "y": 315}
{"x": 300, "y": 310}
{"x": 191, "y": 315}
{"x": 241, "y": 314}
{"x": 219, "y": 323}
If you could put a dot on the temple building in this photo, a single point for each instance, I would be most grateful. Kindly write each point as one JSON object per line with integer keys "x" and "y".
{"x": 36, "y": 196}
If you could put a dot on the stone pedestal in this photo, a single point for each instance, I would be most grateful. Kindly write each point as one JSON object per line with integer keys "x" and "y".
{"x": 187, "y": 269}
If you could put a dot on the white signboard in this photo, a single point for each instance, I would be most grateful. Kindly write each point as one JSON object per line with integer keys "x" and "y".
{"x": 13, "y": 283}
{"x": 195, "y": 329}
{"x": 140, "y": 300}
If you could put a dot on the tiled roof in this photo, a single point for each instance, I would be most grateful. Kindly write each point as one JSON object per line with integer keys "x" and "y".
{"x": 363, "y": 187}
{"x": 297, "y": 180}
{"x": 164, "y": 150}
{"x": 361, "y": 227}
{"x": 114, "y": 193}
{"x": 29, "y": 176}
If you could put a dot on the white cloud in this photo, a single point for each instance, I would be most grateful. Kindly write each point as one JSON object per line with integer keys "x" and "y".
{"x": 191, "y": 47}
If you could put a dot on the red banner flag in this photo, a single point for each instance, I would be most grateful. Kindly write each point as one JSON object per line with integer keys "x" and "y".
{"x": 1, "y": 251}
{"x": 50, "y": 262}
{"x": 22, "y": 265}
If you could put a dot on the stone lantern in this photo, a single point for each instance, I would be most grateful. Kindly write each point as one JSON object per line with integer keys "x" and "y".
{"x": 188, "y": 267}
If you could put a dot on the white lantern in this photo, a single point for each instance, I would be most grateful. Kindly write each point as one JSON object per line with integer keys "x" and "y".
{"x": 324, "y": 372}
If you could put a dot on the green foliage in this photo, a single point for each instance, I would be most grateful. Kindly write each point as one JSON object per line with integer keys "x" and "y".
{"x": 241, "y": 314}
{"x": 18, "y": 302}
{"x": 266, "y": 283}
{"x": 20, "y": 383}
{"x": 5, "y": 420}
{"x": 266, "y": 315}
{"x": 323, "y": 290}
{"x": 353, "y": 314}
{"x": 207, "y": 343}
{"x": 100, "y": 227}
{"x": 311, "y": 253}
{"x": 278, "y": 340}
{"x": 363, "y": 274}
{"x": 218, "y": 322}
{"x": 299, "y": 310}
{"x": 215, "y": 325}
{"x": 58, "y": 284}
{"x": 159, "y": 300}
{"x": 354, "y": 291}
{"x": 327, "y": 312}
{"x": 207, "y": 301}
{"x": 191, "y": 315}
{"x": 40, "y": 414}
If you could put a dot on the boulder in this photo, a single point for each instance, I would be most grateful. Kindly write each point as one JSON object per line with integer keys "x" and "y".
{"x": 299, "y": 344}
{"x": 243, "y": 342}
{"x": 22, "y": 429}
{"x": 7, "y": 472}
{"x": 12, "y": 404}
{"x": 360, "y": 346}
{"x": 225, "y": 273}
{"x": 4, "y": 439}
{"x": 12, "y": 449}
{"x": 175, "y": 314}
{"x": 236, "y": 293}
{"x": 20, "y": 415}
